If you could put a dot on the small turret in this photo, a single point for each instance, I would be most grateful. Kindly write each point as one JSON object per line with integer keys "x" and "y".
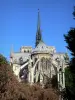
{"x": 11, "y": 56}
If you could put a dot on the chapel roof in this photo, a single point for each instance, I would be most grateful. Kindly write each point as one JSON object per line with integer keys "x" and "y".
{"x": 41, "y": 48}
{"x": 17, "y": 56}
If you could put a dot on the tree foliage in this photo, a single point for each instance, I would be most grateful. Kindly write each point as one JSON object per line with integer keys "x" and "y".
{"x": 70, "y": 40}
{"x": 54, "y": 81}
{"x": 3, "y": 60}
{"x": 11, "y": 89}
{"x": 70, "y": 71}
{"x": 74, "y": 12}
{"x": 68, "y": 77}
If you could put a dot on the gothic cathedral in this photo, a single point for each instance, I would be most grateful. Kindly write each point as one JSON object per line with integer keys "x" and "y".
{"x": 39, "y": 64}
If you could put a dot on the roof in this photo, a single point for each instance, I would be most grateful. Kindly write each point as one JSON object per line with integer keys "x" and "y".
{"x": 58, "y": 55}
{"x": 17, "y": 56}
{"x": 41, "y": 48}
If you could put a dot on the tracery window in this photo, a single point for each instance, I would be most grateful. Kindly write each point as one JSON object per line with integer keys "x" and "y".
{"x": 15, "y": 61}
{"x": 21, "y": 60}
{"x": 24, "y": 50}
{"x": 28, "y": 50}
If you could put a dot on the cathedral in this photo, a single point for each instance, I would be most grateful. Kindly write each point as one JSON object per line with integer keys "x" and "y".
{"x": 39, "y": 64}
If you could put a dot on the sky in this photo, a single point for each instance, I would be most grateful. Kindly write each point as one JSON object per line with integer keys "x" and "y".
{"x": 18, "y": 23}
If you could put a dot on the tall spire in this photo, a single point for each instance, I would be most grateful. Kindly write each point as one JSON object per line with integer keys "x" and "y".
{"x": 11, "y": 52}
{"x": 38, "y": 24}
{"x": 38, "y": 33}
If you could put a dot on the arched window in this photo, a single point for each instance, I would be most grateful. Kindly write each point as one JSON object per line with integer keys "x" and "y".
{"x": 16, "y": 67}
{"x": 35, "y": 59}
{"x": 24, "y": 50}
{"x": 21, "y": 60}
{"x": 42, "y": 46}
{"x": 28, "y": 50}
{"x": 15, "y": 61}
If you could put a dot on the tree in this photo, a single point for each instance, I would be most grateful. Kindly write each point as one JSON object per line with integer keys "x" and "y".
{"x": 10, "y": 88}
{"x": 54, "y": 81}
{"x": 70, "y": 71}
{"x": 70, "y": 40}
{"x": 74, "y": 12}
{"x": 3, "y": 60}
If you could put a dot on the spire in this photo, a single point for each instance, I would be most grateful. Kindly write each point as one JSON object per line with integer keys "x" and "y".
{"x": 11, "y": 52}
{"x": 38, "y": 33}
{"x": 38, "y": 25}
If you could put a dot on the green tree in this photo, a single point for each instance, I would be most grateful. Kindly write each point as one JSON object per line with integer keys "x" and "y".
{"x": 68, "y": 76}
{"x": 74, "y": 12}
{"x": 3, "y": 60}
{"x": 10, "y": 88}
{"x": 70, "y": 71}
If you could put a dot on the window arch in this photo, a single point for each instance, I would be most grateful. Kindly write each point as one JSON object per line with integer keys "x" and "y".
{"x": 21, "y": 60}
{"x": 24, "y": 50}
{"x": 28, "y": 50}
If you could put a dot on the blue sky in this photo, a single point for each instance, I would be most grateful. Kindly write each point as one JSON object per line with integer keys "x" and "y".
{"x": 18, "y": 23}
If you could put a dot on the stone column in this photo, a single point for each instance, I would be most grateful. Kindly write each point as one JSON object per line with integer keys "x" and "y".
{"x": 41, "y": 70}
{"x": 29, "y": 77}
{"x": 36, "y": 78}
{"x": 63, "y": 79}
{"x": 37, "y": 71}
{"x": 32, "y": 76}
{"x": 58, "y": 78}
{"x": 41, "y": 79}
{"x": 63, "y": 74}
{"x": 19, "y": 78}
{"x": 29, "y": 69}
{"x": 39, "y": 66}
{"x": 51, "y": 71}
